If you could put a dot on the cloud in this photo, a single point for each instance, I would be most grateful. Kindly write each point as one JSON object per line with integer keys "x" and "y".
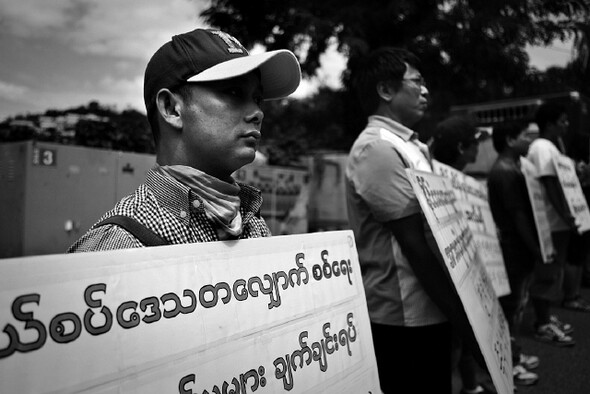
{"x": 11, "y": 91}
{"x": 557, "y": 54}
{"x": 332, "y": 64}
{"x": 153, "y": 22}
{"x": 131, "y": 28}
{"x": 31, "y": 18}
{"x": 122, "y": 92}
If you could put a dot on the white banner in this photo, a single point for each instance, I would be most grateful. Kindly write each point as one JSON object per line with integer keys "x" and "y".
{"x": 456, "y": 244}
{"x": 472, "y": 200}
{"x": 572, "y": 190}
{"x": 266, "y": 315}
{"x": 535, "y": 191}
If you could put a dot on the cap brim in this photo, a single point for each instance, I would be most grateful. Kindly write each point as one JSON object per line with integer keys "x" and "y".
{"x": 279, "y": 70}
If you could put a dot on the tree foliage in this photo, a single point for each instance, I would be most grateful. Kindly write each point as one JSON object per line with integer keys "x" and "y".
{"x": 471, "y": 50}
{"x": 126, "y": 131}
{"x": 476, "y": 46}
{"x": 293, "y": 128}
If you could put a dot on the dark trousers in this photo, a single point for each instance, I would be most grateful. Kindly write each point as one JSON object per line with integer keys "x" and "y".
{"x": 413, "y": 359}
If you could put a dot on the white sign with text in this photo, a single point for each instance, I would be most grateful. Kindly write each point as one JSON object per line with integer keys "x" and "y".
{"x": 572, "y": 191}
{"x": 265, "y": 315}
{"x": 537, "y": 199}
{"x": 472, "y": 199}
{"x": 456, "y": 244}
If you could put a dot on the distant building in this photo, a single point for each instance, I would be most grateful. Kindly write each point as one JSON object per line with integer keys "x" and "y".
{"x": 62, "y": 127}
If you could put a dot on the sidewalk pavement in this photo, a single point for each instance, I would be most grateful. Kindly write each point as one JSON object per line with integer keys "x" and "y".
{"x": 562, "y": 370}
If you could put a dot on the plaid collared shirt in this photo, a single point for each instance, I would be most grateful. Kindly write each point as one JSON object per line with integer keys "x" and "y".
{"x": 172, "y": 211}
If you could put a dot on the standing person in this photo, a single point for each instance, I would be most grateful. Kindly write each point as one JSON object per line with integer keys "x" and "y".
{"x": 202, "y": 92}
{"x": 409, "y": 295}
{"x": 456, "y": 143}
{"x": 513, "y": 215}
{"x": 578, "y": 253}
{"x": 583, "y": 170}
{"x": 552, "y": 122}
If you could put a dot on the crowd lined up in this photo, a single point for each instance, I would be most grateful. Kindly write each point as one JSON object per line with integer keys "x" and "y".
{"x": 203, "y": 94}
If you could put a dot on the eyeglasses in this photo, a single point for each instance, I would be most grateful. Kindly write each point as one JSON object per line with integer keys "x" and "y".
{"x": 418, "y": 81}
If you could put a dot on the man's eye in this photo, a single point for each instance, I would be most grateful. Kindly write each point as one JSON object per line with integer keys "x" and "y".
{"x": 234, "y": 91}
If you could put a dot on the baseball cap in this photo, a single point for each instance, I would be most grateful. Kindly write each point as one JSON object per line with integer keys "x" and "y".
{"x": 205, "y": 55}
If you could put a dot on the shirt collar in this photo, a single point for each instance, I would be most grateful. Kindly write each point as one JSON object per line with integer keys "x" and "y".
{"x": 171, "y": 195}
{"x": 395, "y": 127}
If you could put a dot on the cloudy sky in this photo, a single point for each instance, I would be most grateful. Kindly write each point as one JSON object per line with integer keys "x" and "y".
{"x": 56, "y": 54}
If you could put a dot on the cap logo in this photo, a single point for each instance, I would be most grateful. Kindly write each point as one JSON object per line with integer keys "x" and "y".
{"x": 233, "y": 45}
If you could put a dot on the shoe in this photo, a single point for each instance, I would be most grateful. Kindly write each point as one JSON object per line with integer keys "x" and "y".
{"x": 522, "y": 377}
{"x": 577, "y": 304}
{"x": 478, "y": 390}
{"x": 529, "y": 362}
{"x": 565, "y": 327}
{"x": 550, "y": 333}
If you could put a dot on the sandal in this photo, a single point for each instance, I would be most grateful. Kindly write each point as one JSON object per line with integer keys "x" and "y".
{"x": 577, "y": 304}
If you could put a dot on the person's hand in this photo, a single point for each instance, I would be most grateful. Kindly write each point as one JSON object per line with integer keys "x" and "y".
{"x": 550, "y": 258}
{"x": 583, "y": 172}
{"x": 572, "y": 222}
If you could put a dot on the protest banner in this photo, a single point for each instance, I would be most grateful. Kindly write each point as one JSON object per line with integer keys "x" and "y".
{"x": 572, "y": 191}
{"x": 537, "y": 199}
{"x": 455, "y": 242}
{"x": 472, "y": 200}
{"x": 285, "y": 196}
{"x": 265, "y": 315}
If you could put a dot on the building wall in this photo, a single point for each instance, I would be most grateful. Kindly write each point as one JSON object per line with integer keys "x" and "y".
{"x": 59, "y": 191}
{"x": 51, "y": 194}
{"x": 12, "y": 196}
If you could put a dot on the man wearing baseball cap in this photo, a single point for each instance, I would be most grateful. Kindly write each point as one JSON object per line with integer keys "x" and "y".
{"x": 202, "y": 92}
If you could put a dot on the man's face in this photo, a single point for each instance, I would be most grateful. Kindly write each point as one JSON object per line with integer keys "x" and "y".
{"x": 562, "y": 124}
{"x": 470, "y": 150}
{"x": 221, "y": 124}
{"x": 522, "y": 142}
{"x": 410, "y": 101}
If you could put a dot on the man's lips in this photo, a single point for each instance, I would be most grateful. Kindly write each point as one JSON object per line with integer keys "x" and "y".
{"x": 255, "y": 134}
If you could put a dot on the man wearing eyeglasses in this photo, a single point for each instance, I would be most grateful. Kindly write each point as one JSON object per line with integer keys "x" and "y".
{"x": 410, "y": 300}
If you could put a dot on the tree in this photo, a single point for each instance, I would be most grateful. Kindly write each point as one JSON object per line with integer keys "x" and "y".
{"x": 132, "y": 132}
{"x": 455, "y": 36}
{"x": 581, "y": 65}
{"x": 94, "y": 134}
{"x": 293, "y": 128}
{"x": 471, "y": 50}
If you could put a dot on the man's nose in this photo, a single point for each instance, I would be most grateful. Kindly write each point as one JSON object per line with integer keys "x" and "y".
{"x": 256, "y": 115}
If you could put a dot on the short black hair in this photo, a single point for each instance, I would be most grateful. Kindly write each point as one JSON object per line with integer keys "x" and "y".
{"x": 505, "y": 130}
{"x": 383, "y": 64}
{"x": 450, "y": 134}
{"x": 548, "y": 113}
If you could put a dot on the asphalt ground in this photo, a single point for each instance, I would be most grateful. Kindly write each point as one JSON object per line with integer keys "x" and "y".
{"x": 562, "y": 370}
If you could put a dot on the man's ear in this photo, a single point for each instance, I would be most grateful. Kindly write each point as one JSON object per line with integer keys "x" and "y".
{"x": 460, "y": 148}
{"x": 385, "y": 90}
{"x": 509, "y": 141}
{"x": 169, "y": 106}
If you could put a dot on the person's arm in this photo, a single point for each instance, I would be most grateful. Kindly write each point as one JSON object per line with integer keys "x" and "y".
{"x": 426, "y": 261}
{"x": 557, "y": 199}
{"x": 527, "y": 233}
{"x": 417, "y": 243}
